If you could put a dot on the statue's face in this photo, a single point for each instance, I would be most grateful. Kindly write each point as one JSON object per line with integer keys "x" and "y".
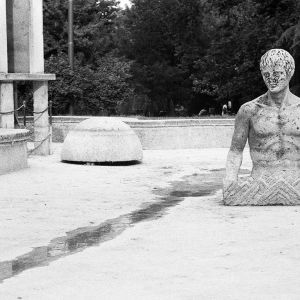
{"x": 275, "y": 78}
{"x": 277, "y": 68}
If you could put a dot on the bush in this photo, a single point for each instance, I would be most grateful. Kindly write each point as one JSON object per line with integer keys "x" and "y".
{"x": 90, "y": 91}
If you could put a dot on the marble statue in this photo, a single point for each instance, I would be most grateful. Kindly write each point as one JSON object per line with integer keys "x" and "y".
{"x": 271, "y": 124}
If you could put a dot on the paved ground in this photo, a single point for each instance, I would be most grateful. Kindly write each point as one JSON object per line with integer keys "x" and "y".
{"x": 156, "y": 230}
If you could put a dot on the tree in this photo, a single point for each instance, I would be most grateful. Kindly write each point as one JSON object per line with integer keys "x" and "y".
{"x": 94, "y": 26}
{"x": 243, "y": 32}
{"x": 99, "y": 80}
{"x": 290, "y": 41}
{"x": 196, "y": 53}
{"x": 163, "y": 38}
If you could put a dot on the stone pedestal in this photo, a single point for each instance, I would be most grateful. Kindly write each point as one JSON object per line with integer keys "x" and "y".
{"x": 13, "y": 149}
{"x": 278, "y": 188}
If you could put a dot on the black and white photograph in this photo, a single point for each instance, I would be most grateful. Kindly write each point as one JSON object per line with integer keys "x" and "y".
{"x": 149, "y": 149}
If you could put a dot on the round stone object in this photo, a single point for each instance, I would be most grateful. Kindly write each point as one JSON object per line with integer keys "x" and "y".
{"x": 101, "y": 140}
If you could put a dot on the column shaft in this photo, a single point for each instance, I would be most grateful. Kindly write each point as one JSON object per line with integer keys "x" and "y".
{"x": 36, "y": 42}
{"x": 41, "y": 121}
{"x": 3, "y": 37}
{"x": 6, "y": 104}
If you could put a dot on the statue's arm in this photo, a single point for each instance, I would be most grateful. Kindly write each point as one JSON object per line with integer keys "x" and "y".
{"x": 239, "y": 139}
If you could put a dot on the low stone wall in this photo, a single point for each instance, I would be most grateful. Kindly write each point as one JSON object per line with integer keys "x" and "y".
{"x": 13, "y": 149}
{"x": 166, "y": 133}
{"x": 184, "y": 133}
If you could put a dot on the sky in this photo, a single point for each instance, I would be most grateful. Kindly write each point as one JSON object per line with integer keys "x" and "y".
{"x": 123, "y": 3}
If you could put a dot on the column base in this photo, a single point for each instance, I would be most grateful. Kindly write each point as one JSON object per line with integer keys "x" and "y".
{"x": 13, "y": 149}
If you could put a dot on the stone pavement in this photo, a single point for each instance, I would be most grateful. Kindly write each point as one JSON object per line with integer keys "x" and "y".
{"x": 156, "y": 230}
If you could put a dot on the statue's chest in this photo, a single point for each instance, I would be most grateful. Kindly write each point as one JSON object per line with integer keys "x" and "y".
{"x": 270, "y": 121}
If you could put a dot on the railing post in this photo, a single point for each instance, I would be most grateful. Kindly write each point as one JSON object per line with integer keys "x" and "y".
{"x": 24, "y": 113}
{"x": 50, "y": 113}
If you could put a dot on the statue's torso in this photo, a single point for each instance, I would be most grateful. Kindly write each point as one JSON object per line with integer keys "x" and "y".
{"x": 274, "y": 138}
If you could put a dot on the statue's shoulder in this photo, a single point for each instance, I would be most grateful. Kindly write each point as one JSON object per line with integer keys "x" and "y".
{"x": 251, "y": 107}
{"x": 294, "y": 100}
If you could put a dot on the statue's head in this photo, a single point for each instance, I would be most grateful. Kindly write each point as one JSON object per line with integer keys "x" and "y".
{"x": 277, "y": 67}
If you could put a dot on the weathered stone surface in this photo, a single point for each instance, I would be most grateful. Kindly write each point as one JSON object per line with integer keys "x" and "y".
{"x": 271, "y": 125}
{"x": 102, "y": 139}
{"x": 13, "y": 149}
{"x": 22, "y": 58}
{"x": 6, "y": 104}
{"x": 163, "y": 134}
{"x": 42, "y": 129}
{"x": 18, "y": 28}
{"x": 3, "y": 37}
{"x": 13, "y": 135}
{"x": 183, "y": 133}
{"x": 26, "y": 77}
{"x": 281, "y": 188}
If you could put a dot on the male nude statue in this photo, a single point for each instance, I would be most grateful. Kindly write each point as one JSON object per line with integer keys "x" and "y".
{"x": 271, "y": 123}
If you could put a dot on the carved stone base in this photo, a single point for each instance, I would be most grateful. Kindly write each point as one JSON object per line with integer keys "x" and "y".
{"x": 273, "y": 189}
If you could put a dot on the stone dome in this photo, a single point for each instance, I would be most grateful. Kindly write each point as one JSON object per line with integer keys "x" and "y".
{"x": 102, "y": 139}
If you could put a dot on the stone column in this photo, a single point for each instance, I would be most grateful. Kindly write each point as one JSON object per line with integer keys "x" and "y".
{"x": 7, "y": 104}
{"x": 6, "y": 88}
{"x": 36, "y": 42}
{"x": 41, "y": 121}
{"x": 3, "y": 38}
{"x": 40, "y": 88}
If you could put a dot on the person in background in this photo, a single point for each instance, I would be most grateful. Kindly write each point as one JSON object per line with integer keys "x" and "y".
{"x": 224, "y": 109}
{"x": 203, "y": 112}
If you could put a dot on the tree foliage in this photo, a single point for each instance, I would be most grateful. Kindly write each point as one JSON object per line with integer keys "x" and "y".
{"x": 163, "y": 38}
{"x": 243, "y": 32}
{"x": 162, "y": 53}
{"x": 99, "y": 80}
{"x": 94, "y": 26}
{"x": 92, "y": 91}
